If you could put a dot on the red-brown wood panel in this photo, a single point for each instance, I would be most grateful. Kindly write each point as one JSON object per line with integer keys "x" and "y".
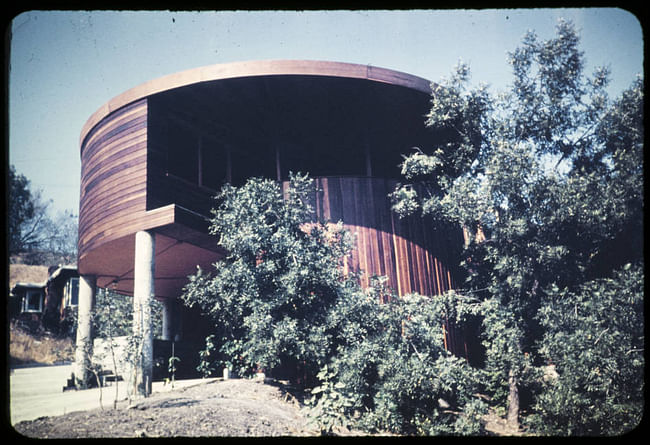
{"x": 113, "y": 177}
{"x": 407, "y": 251}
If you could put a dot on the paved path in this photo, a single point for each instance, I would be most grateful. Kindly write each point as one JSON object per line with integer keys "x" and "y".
{"x": 38, "y": 391}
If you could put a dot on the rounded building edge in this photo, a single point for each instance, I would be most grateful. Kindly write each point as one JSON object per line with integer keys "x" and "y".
{"x": 256, "y": 68}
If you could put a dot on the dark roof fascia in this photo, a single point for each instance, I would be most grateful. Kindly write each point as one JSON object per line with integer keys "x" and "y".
{"x": 26, "y": 286}
{"x": 63, "y": 271}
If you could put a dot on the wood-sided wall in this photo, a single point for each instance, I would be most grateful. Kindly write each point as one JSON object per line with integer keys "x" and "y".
{"x": 113, "y": 177}
{"x": 416, "y": 256}
{"x": 412, "y": 253}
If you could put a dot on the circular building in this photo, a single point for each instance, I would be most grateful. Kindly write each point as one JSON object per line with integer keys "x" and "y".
{"x": 153, "y": 157}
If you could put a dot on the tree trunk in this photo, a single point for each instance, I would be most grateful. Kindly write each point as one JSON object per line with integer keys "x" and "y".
{"x": 513, "y": 401}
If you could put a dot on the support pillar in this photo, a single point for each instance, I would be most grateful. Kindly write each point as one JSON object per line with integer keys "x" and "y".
{"x": 278, "y": 167}
{"x": 84, "y": 343}
{"x": 168, "y": 328}
{"x": 143, "y": 294}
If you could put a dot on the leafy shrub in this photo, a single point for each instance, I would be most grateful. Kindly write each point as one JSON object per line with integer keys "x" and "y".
{"x": 395, "y": 373}
{"x": 271, "y": 295}
{"x": 595, "y": 340}
{"x": 279, "y": 300}
{"x": 206, "y": 367}
{"x": 328, "y": 405}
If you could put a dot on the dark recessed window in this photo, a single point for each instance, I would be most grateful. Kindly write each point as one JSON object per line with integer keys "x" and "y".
{"x": 214, "y": 164}
{"x": 183, "y": 152}
{"x": 252, "y": 161}
{"x": 33, "y": 301}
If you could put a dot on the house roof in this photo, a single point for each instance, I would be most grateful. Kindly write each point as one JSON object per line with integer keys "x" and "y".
{"x": 62, "y": 271}
{"x": 24, "y": 275}
{"x": 27, "y": 275}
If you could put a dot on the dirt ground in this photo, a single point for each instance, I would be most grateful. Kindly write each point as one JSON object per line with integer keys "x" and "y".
{"x": 230, "y": 408}
{"x": 237, "y": 407}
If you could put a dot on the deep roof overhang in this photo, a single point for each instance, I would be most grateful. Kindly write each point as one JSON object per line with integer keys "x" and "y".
{"x": 255, "y": 69}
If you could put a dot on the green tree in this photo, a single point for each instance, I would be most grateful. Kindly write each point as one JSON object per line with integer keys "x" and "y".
{"x": 271, "y": 294}
{"x": 393, "y": 371}
{"x": 280, "y": 300}
{"x": 594, "y": 339}
{"x": 32, "y": 228}
{"x": 20, "y": 210}
{"x": 546, "y": 178}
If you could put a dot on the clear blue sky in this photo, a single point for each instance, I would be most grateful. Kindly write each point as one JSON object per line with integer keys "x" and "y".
{"x": 65, "y": 65}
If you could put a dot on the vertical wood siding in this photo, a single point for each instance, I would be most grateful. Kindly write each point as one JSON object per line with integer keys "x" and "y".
{"x": 414, "y": 254}
{"x": 414, "y": 257}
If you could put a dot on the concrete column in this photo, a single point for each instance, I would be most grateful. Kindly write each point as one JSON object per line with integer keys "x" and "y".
{"x": 168, "y": 309}
{"x": 84, "y": 343}
{"x": 143, "y": 293}
{"x": 278, "y": 168}
{"x": 178, "y": 322}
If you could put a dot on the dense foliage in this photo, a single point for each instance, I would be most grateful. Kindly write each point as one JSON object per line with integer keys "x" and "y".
{"x": 547, "y": 180}
{"x": 594, "y": 335}
{"x": 394, "y": 372}
{"x": 281, "y": 303}
{"x": 271, "y": 296}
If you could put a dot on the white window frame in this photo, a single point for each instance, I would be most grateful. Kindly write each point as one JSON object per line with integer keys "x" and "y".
{"x": 26, "y": 300}
{"x": 68, "y": 292}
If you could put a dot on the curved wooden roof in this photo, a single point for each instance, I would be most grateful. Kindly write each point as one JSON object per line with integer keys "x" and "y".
{"x": 255, "y": 69}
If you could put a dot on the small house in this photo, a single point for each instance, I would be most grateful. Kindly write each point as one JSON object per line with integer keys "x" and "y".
{"x": 61, "y": 296}
{"x": 27, "y": 291}
{"x": 43, "y": 296}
